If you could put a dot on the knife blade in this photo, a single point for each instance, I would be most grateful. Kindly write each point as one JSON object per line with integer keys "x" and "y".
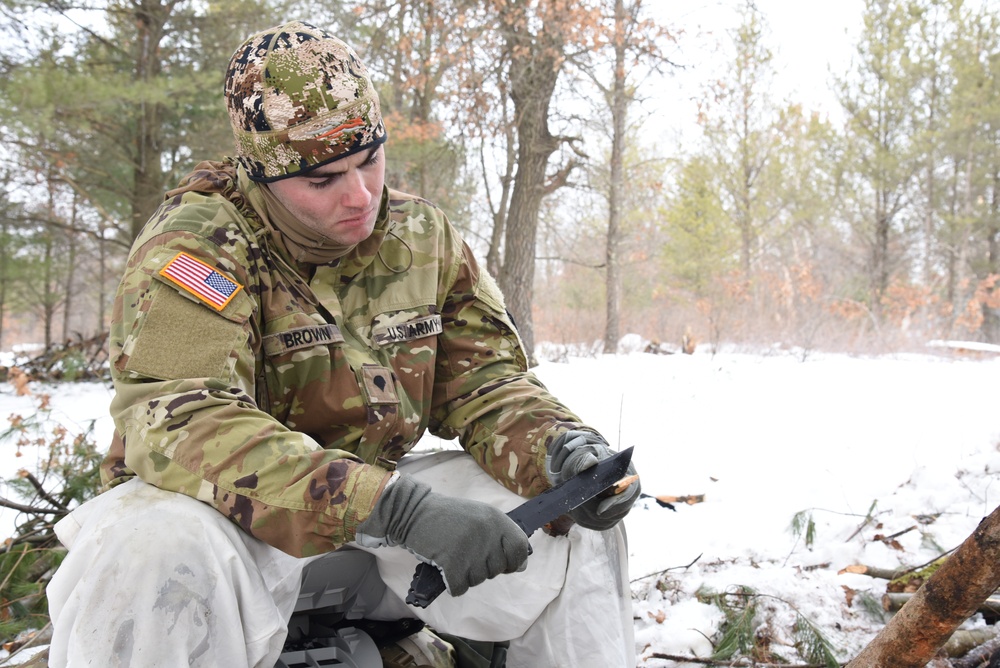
{"x": 533, "y": 514}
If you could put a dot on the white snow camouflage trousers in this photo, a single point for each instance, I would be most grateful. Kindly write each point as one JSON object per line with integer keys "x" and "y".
{"x": 138, "y": 588}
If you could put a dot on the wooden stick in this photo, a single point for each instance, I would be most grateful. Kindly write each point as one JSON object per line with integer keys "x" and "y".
{"x": 894, "y": 601}
{"x": 964, "y": 641}
{"x": 873, "y": 571}
{"x": 624, "y": 483}
{"x": 689, "y": 499}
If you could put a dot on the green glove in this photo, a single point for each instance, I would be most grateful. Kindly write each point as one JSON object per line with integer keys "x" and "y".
{"x": 469, "y": 541}
{"x": 577, "y": 451}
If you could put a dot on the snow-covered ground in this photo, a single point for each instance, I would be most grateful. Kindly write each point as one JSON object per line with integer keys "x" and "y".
{"x": 764, "y": 437}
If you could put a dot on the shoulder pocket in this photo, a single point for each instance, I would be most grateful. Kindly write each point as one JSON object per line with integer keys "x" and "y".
{"x": 177, "y": 337}
{"x": 488, "y": 292}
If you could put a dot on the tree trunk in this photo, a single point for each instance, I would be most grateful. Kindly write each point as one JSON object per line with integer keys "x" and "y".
{"x": 48, "y": 294}
{"x": 102, "y": 281}
{"x": 4, "y": 273}
{"x": 147, "y": 188}
{"x": 880, "y": 254}
{"x": 948, "y": 598}
{"x": 48, "y": 258}
{"x": 534, "y": 69}
{"x": 518, "y": 275}
{"x": 991, "y": 316}
{"x": 619, "y": 109}
{"x": 69, "y": 283}
{"x": 494, "y": 264}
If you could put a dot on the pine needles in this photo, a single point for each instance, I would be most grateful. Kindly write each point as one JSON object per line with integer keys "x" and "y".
{"x": 804, "y": 526}
{"x": 740, "y": 608}
{"x": 23, "y": 576}
{"x": 66, "y": 474}
{"x": 746, "y": 634}
{"x": 811, "y": 644}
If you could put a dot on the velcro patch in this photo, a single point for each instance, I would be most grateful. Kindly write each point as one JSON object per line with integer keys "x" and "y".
{"x": 378, "y": 385}
{"x": 201, "y": 280}
{"x": 301, "y": 337}
{"x": 429, "y": 325}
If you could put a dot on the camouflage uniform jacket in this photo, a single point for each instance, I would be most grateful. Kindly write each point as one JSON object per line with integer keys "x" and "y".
{"x": 287, "y": 407}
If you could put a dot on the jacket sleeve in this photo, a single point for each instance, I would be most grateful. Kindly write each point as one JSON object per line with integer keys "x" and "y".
{"x": 484, "y": 394}
{"x": 187, "y": 420}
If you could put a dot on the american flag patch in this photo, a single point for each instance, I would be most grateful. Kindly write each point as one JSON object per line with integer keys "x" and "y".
{"x": 202, "y": 281}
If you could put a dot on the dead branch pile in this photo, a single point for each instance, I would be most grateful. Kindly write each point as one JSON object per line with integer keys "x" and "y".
{"x": 934, "y": 604}
{"x": 76, "y": 359}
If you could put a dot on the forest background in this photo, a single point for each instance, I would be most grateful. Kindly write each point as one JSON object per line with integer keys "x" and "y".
{"x": 532, "y": 123}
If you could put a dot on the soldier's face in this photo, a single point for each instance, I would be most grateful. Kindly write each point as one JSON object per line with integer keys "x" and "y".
{"x": 339, "y": 200}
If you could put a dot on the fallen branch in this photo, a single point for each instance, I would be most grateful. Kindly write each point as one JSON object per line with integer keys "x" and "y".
{"x": 873, "y": 571}
{"x": 33, "y": 510}
{"x": 978, "y": 655}
{"x": 864, "y": 523}
{"x": 893, "y": 602}
{"x": 939, "y": 662}
{"x": 689, "y": 499}
{"x": 668, "y": 501}
{"x": 667, "y": 570}
{"x": 74, "y": 359}
{"x": 888, "y": 540}
{"x": 42, "y": 636}
{"x": 981, "y": 642}
{"x": 41, "y": 490}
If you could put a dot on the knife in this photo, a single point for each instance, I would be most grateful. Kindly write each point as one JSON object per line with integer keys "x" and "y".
{"x": 533, "y": 514}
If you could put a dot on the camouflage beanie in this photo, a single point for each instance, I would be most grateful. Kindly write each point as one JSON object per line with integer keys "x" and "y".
{"x": 298, "y": 97}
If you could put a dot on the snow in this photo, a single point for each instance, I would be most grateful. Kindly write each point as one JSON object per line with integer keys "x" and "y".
{"x": 764, "y": 437}
{"x": 973, "y": 346}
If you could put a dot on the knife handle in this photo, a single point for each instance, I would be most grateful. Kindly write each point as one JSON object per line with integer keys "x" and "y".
{"x": 427, "y": 585}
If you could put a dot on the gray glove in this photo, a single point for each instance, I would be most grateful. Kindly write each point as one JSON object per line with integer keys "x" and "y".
{"x": 469, "y": 541}
{"x": 576, "y": 451}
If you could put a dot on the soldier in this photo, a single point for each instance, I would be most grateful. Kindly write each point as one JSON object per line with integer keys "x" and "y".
{"x": 285, "y": 331}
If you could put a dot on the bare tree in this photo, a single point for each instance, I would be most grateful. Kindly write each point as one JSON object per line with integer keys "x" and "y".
{"x": 538, "y": 38}
{"x": 634, "y": 41}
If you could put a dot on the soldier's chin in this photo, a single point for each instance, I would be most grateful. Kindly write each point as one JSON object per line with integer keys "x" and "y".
{"x": 353, "y": 231}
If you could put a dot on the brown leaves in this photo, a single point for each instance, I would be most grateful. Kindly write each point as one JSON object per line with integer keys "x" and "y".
{"x": 19, "y": 380}
{"x": 986, "y": 295}
{"x": 418, "y": 131}
{"x": 891, "y": 539}
{"x": 21, "y": 428}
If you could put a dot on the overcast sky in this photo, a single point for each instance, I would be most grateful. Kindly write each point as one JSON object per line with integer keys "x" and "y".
{"x": 809, "y": 40}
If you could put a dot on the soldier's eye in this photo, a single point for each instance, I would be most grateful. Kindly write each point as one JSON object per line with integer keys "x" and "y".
{"x": 325, "y": 182}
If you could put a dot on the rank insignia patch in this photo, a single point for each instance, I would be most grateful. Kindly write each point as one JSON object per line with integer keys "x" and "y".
{"x": 202, "y": 281}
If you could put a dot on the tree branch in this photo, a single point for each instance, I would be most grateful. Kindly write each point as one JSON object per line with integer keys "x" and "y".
{"x": 13, "y": 505}
{"x": 27, "y": 475}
